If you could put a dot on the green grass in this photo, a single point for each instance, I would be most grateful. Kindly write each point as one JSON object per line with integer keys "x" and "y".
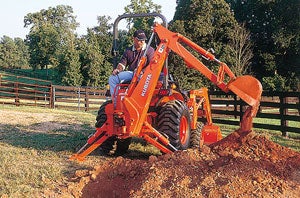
{"x": 25, "y": 170}
{"x": 34, "y": 158}
{"x": 275, "y": 122}
{"x": 40, "y": 74}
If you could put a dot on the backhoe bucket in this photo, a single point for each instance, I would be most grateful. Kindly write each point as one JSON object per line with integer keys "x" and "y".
{"x": 248, "y": 89}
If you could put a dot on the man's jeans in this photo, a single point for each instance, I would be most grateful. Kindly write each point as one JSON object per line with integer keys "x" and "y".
{"x": 119, "y": 78}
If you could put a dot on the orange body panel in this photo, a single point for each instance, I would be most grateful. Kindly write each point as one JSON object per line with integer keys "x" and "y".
{"x": 211, "y": 134}
{"x": 140, "y": 94}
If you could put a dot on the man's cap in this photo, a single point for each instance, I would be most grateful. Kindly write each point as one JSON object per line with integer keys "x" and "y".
{"x": 140, "y": 35}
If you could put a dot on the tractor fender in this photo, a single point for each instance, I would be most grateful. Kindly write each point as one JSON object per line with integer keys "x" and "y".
{"x": 174, "y": 96}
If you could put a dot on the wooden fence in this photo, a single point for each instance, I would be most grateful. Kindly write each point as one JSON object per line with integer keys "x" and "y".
{"x": 20, "y": 90}
{"x": 77, "y": 98}
{"x": 282, "y": 107}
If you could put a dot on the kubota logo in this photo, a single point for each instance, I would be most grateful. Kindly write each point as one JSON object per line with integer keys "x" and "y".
{"x": 161, "y": 49}
{"x": 146, "y": 85}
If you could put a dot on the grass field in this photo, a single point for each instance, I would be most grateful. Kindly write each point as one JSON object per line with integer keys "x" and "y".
{"x": 35, "y": 146}
{"x": 36, "y": 143}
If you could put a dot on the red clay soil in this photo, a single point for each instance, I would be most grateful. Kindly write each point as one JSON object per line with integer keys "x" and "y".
{"x": 237, "y": 166}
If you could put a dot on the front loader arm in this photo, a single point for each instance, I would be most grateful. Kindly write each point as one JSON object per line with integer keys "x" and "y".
{"x": 140, "y": 93}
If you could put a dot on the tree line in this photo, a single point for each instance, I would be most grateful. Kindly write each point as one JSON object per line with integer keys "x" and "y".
{"x": 255, "y": 37}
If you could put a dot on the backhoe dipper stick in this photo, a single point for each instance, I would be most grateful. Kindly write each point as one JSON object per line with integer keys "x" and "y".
{"x": 221, "y": 73}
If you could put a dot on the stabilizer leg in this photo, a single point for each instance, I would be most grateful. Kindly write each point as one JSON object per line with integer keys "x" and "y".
{"x": 93, "y": 142}
{"x": 154, "y": 133}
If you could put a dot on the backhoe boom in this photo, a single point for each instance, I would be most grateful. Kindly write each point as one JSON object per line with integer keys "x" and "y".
{"x": 246, "y": 87}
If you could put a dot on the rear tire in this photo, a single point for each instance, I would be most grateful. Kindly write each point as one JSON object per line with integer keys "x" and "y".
{"x": 122, "y": 146}
{"x": 174, "y": 122}
{"x": 108, "y": 145}
{"x": 101, "y": 118}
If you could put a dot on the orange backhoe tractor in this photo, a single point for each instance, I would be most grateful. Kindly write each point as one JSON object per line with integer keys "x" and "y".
{"x": 157, "y": 110}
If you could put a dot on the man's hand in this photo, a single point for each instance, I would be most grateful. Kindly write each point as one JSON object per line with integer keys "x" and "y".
{"x": 119, "y": 68}
{"x": 115, "y": 72}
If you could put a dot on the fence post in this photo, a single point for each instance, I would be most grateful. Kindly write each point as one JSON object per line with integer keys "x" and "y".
{"x": 86, "y": 100}
{"x": 78, "y": 98}
{"x": 53, "y": 98}
{"x": 283, "y": 111}
{"x": 16, "y": 90}
{"x": 51, "y": 101}
{"x": 35, "y": 92}
{"x": 241, "y": 109}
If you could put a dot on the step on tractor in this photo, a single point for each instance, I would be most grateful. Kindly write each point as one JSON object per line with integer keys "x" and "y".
{"x": 157, "y": 110}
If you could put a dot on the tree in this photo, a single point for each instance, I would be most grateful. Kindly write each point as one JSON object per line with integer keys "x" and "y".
{"x": 144, "y": 23}
{"x": 13, "y": 53}
{"x": 275, "y": 32}
{"x": 95, "y": 47}
{"x": 8, "y": 53}
{"x": 141, "y": 6}
{"x": 240, "y": 50}
{"x": 210, "y": 25}
{"x": 274, "y": 83}
{"x": 95, "y": 56}
{"x": 48, "y": 31}
{"x": 23, "y": 53}
{"x": 92, "y": 61}
{"x": 69, "y": 64}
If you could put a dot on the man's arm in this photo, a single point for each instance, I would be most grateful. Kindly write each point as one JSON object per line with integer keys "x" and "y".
{"x": 150, "y": 54}
{"x": 122, "y": 64}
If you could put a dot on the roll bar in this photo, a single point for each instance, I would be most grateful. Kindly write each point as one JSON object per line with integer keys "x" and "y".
{"x": 124, "y": 16}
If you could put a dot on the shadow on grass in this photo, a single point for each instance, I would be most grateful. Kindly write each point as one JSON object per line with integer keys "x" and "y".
{"x": 63, "y": 137}
{"x": 138, "y": 149}
{"x": 56, "y": 136}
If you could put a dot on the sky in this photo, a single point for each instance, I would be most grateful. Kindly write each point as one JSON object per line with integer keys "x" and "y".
{"x": 12, "y": 12}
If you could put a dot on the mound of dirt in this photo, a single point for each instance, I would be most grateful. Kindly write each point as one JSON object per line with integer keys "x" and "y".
{"x": 238, "y": 166}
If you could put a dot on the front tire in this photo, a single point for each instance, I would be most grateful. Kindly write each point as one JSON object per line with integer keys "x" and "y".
{"x": 196, "y": 135}
{"x": 174, "y": 122}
